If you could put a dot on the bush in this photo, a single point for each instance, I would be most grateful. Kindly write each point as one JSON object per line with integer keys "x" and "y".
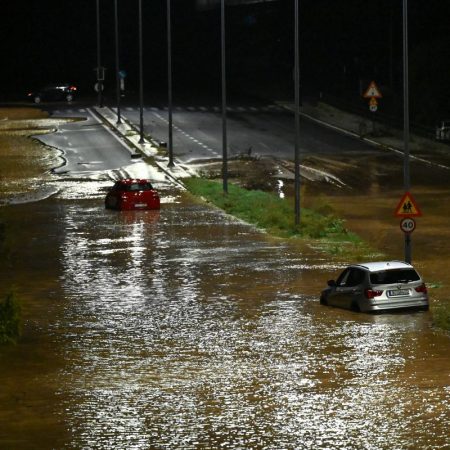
{"x": 9, "y": 319}
{"x": 441, "y": 316}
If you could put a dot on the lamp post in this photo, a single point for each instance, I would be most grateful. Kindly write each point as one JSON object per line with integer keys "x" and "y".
{"x": 224, "y": 101}
{"x": 406, "y": 166}
{"x": 99, "y": 63}
{"x": 297, "y": 117}
{"x": 141, "y": 81}
{"x": 169, "y": 81}
{"x": 116, "y": 23}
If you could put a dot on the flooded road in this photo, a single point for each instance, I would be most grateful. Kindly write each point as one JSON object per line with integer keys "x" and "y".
{"x": 186, "y": 329}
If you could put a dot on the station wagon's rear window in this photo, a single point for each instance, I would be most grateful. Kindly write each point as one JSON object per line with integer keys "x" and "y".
{"x": 394, "y": 276}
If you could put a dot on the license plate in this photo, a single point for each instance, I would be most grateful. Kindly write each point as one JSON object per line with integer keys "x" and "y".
{"x": 140, "y": 205}
{"x": 398, "y": 292}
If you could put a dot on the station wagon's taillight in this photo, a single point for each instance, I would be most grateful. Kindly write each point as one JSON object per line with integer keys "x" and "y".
{"x": 372, "y": 293}
{"x": 422, "y": 288}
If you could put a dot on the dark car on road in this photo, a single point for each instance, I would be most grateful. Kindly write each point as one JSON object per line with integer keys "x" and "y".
{"x": 54, "y": 92}
{"x": 128, "y": 194}
{"x": 377, "y": 286}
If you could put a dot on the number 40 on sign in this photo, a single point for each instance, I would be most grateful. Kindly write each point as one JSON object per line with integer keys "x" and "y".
{"x": 408, "y": 225}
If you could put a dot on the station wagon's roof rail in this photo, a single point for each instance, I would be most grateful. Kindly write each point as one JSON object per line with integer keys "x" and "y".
{"x": 383, "y": 265}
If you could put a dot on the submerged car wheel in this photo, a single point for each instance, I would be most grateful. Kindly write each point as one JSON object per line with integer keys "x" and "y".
{"x": 355, "y": 306}
{"x": 323, "y": 300}
{"x": 111, "y": 202}
{"x": 37, "y": 99}
{"x": 69, "y": 98}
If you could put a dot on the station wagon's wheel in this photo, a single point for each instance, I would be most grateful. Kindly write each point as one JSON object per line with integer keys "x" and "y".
{"x": 37, "y": 99}
{"x": 69, "y": 98}
{"x": 355, "y": 306}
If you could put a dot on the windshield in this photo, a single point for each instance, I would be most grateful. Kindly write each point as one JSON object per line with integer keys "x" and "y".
{"x": 394, "y": 276}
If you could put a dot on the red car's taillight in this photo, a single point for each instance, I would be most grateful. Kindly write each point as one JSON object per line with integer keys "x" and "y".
{"x": 422, "y": 288}
{"x": 372, "y": 293}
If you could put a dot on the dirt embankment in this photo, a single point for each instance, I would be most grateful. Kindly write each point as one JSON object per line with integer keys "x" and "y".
{"x": 25, "y": 162}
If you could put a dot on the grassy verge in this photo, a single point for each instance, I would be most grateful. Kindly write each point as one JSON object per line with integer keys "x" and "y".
{"x": 276, "y": 216}
{"x": 9, "y": 319}
{"x": 441, "y": 316}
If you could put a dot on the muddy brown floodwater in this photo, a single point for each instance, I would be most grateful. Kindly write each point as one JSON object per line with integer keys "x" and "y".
{"x": 186, "y": 329}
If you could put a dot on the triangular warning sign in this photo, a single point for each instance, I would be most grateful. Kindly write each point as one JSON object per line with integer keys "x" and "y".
{"x": 372, "y": 91}
{"x": 407, "y": 207}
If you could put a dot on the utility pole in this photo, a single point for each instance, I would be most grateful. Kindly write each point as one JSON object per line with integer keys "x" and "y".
{"x": 406, "y": 164}
{"x": 224, "y": 102}
{"x": 169, "y": 81}
{"x": 116, "y": 23}
{"x": 141, "y": 80}
{"x": 100, "y": 72}
{"x": 297, "y": 117}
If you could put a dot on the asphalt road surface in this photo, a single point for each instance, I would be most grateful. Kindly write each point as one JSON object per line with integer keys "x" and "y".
{"x": 264, "y": 130}
{"x": 87, "y": 144}
{"x": 254, "y": 129}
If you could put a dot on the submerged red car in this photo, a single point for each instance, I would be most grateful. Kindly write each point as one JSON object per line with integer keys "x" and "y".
{"x": 130, "y": 194}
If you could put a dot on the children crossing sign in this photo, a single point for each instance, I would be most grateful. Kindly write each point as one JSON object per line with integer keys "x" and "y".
{"x": 407, "y": 207}
{"x": 372, "y": 91}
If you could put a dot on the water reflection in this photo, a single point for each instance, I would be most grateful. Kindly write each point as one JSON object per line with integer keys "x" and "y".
{"x": 183, "y": 329}
{"x": 188, "y": 331}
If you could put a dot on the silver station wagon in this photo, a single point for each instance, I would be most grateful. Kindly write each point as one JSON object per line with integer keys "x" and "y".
{"x": 377, "y": 286}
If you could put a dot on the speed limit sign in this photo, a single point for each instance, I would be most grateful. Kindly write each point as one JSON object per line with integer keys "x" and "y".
{"x": 408, "y": 225}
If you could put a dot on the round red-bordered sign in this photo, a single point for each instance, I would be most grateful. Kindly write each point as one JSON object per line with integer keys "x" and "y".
{"x": 407, "y": 225}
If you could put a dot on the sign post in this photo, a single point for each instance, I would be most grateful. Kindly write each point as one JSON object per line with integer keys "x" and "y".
{"x": 373, "y": 93}
{"x": 407, "y": 208}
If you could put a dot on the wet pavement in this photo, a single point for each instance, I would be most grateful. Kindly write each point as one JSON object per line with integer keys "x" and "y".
{"x": 186, "y": 329}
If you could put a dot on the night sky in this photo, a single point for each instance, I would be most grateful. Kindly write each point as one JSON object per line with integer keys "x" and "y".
{"x": 344, "y": 44}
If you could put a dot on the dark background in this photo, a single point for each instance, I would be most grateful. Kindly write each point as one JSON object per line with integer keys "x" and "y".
{"x": 344, "y": 45}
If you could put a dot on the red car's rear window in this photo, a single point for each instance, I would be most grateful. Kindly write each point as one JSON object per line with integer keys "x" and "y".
{"x": 134, "y": 186}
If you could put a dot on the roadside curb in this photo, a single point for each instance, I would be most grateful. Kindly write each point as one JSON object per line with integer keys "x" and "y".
{"x": 149, "y": 147}
{"x": 340, "y": 129}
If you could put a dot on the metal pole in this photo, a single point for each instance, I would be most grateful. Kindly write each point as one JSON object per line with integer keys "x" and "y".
{"x": 297, "y": 117}
{"x": 406, "y": 165}
{"x": 116, "y": 21}
{"x": 169, "y": 81}
{"x": 141, "y": 81}
{"x": 99, "y": 64}
{"x": 224, "y": 102}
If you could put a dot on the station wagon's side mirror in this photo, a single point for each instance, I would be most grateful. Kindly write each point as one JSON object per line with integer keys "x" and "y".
{"x": 331, "y": 283}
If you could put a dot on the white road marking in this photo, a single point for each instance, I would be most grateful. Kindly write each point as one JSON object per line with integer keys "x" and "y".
{"x": 109, "y": 131}
{"x": 184, "y": 133}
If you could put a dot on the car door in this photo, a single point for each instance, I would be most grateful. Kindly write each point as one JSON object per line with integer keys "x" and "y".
{"x": 348, "y": 288}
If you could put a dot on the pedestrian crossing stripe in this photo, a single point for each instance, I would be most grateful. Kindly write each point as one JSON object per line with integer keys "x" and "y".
{"x": 407, "y": 207}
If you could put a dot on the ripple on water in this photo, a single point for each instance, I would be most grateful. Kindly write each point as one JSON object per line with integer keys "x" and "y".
{"x": 194, "y": 336}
